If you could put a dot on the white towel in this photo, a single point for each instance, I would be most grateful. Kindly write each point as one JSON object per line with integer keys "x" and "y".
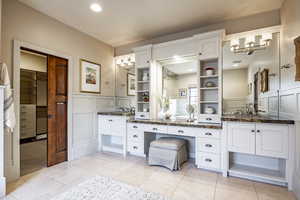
{"x": 9, "y": 112}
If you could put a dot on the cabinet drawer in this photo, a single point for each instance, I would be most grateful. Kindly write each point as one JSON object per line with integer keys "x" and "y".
{"x": 209, "y": 118}
{"x": 142, "y": 115}
{"x": 112, "y": 125}
{"x": 208, "y": 145}
{"x": 186, "y": 131}
{"x": 209, "y": 133}
{"x": 156, "y": 128}
{"x": 135, "y": 149}
{"x": 135, "y": 127}
{"x": 209, "y": 160}
{"x": 134, "y": 136}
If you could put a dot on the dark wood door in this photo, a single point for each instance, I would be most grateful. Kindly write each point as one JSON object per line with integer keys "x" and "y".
{"x": 57, "y": 110}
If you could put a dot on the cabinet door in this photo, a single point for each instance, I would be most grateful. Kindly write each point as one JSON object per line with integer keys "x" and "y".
{"x": 272, "y": 140}
{"x": 208, "y": 48}
{"x": 142, "y": 58}
{"x": 241, "y": 137}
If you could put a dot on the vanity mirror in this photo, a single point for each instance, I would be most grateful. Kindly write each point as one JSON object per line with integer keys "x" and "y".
{"x": 251, "y": 76}
{"x": 125, "y": 81}
{"x": 180, "y": 87}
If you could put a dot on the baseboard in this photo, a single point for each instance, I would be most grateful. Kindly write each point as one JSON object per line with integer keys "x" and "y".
{"x": 296, "y": 185}
{"x": 2, "y": 186}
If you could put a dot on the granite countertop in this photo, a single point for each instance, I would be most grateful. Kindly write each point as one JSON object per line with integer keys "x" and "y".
{"x": 176, "y": 123}
{"x": 116, "y": 113}
{"x": 257, "y": 118}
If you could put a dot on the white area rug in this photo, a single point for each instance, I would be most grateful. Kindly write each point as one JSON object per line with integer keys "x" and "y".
{"x": 104, "y": 188}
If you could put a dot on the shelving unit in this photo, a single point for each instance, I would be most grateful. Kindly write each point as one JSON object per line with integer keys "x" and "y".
{"x": 143, "y": 81}
{"x": 209, "y": 90}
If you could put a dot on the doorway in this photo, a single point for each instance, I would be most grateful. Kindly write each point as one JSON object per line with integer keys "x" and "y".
{"x": 43, "y": 110}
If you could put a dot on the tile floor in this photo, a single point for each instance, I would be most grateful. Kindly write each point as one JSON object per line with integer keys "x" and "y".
{"x": 188, "y": 184}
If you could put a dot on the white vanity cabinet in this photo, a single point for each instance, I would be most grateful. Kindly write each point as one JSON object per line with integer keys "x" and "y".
{"x": 261, "y": 151}
{"x": 112, "y": 133}
{"x": 272, "y": 140}
{"x": 135, "y": 139}
{"x": 241, "y": 137}
{"x": 259, "y": 139}
{"x": 208, "y": 148}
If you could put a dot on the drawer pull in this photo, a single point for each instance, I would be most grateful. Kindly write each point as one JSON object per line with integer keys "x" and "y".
{"x": 208, "y": 160}
{"x": 208, "y": 119}
{"x": 110, "y": 120}
{"x": 135, "y": 127}
{"x": 154, "y": 129}
{"x": 135, "y": 147}
{"x": 208, "y": 145}
{"x": 252, "y": 131}
{"x": 208, "y": 134}
{"x": 180, "y": 131}
{"x": 135, "y": 136}
{"x": 142, "y": 115}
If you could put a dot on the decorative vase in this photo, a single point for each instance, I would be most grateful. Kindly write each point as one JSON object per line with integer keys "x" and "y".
{"x": 145, "y": 76}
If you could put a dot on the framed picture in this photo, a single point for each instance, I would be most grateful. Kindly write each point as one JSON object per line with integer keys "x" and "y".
{"x": 264, "y": 80}
{"x": 182, "y": 92}
{"x": 131, "y": 90}
{"x": 90, "y": 77}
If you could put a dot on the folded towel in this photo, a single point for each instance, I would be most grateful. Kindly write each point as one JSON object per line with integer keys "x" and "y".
{"x": 9, "y": 112}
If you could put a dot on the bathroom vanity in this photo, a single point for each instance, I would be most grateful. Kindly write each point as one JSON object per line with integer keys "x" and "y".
{"x": 228, "y": 94}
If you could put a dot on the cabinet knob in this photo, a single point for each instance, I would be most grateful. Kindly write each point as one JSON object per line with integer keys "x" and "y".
{"x": 148, "y": 61}
{"x": 135, "y": 136}
{"x": 252, "y": 131}
{"x": 180, "y": 131}
{"x": 208, "y": 160}
{"x": 208, "y": 145}
{"x": 200, "y": 54}
{"x": 258, "y": 131}
{"x": 110, "y": 120}
{"x": 135, "y": 147}
{"x": 208, "y": 134}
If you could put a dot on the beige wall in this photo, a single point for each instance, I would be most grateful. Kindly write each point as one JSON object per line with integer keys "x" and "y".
{"x": 26, "y": 24}
{"x": 262, "y": 20}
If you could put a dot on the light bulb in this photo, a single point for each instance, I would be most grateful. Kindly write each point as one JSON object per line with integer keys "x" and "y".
{"x": 95, "y": 7}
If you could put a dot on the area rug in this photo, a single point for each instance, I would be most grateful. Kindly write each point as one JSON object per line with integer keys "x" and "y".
{"x": 104, "y": 188}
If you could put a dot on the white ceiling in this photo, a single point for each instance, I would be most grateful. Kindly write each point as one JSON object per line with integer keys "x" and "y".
{"x": 126, "y": 21}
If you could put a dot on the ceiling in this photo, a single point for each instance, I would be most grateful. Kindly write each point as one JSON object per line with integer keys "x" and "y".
{"x": 126, "y": 21}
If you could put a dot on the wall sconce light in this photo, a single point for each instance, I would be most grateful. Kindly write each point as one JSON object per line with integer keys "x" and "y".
{"x": 250, "y": 43}
{"x": 126, "y": 61}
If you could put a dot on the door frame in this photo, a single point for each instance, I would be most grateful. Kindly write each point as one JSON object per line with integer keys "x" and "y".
{"x": 14, "y": 173}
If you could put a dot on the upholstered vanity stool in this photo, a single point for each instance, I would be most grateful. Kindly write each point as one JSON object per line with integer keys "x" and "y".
{"x": 168, "y": 152}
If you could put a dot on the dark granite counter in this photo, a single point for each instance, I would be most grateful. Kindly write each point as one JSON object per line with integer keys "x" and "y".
{"x": 257, "y": 118}
{"x": 176, "y": 123}
{"x": 116, "y": 113}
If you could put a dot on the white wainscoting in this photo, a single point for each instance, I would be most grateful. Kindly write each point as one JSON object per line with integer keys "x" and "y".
{"x": 85, "y": 122}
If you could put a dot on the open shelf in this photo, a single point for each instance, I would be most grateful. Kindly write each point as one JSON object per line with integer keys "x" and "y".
{"x": 211, "y": 76}
{"x": 257, "y": 173}
{"x": 208, "y": 102}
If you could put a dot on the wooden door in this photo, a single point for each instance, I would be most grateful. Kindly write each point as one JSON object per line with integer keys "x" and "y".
{"x": 241, "y": 137}
{"x": 272, "y": 140}
{"x": 57, "y": 110}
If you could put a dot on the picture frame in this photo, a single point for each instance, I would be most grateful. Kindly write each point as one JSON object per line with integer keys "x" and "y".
{"x": 182, "y": 92}
{"x": 264, "y": 80}
{"x": 90, "y": 77}
{"x": 131, "y": 87}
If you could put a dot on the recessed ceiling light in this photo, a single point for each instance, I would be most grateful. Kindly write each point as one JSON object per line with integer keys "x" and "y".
{"x": 96, "y": 7}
